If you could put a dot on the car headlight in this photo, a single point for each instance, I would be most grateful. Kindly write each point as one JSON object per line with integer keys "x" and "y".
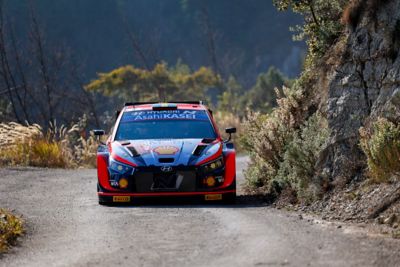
{"x": 213, "y": 149}
{"x": 213, "y": 165}
{"x": 120, "y": 168}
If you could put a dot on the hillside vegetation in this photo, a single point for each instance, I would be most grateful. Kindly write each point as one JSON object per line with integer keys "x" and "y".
{"x": 334, "y": 135}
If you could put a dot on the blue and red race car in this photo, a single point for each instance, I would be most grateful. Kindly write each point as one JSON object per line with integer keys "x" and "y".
{"x": 166, "y": 149}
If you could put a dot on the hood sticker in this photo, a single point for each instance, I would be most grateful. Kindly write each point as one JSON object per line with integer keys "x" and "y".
{"x": 166, "y": 150}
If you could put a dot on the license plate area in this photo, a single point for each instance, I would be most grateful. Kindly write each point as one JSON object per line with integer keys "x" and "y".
{"x": 176, "y": 181}
{"x": 212, "y": 197}
{"x": 166, "y": 181}
{"x": 121, "y": 198}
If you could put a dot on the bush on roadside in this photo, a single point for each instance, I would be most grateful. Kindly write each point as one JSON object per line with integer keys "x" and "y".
{"x": 381, "y": 145}
{"x": 58, "y": 147}
{"x": 297, "y": 169}
{"x": 11, "y": 227}
{"x": 35, "y": 152}
{"x": 267, "y": 136}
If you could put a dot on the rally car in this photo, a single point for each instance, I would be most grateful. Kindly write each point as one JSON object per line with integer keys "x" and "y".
{"x": 166, "y": 149}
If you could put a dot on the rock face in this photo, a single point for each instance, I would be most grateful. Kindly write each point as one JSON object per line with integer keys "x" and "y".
{"x": 364, "y": 85}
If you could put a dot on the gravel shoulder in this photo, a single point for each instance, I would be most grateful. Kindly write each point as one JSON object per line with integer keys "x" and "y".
{"x": 66, "y": 227}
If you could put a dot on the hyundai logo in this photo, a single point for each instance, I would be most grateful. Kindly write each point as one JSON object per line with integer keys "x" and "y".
{"x": 166, "y": 168}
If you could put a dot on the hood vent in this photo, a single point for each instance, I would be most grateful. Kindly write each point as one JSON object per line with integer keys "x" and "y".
{"x": 166, "y": 160}
{"x": 199, "y": 150}
{"x": 207, "y": 140}
{"x": 133, "y": 151}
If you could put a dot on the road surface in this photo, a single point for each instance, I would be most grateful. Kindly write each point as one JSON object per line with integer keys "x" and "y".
{"x": 66, "y": 227}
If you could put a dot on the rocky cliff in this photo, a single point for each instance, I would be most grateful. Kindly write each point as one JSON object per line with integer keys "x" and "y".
{"x": 363, "y": 84}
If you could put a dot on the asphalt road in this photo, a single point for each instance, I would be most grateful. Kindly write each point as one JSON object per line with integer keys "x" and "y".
{"x": 66, "y": 227}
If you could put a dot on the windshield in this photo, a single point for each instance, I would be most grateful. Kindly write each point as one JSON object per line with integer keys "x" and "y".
{"x": 166, "y": 124}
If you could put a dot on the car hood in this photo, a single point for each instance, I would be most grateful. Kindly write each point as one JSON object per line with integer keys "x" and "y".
{"x": 162, "y": 152}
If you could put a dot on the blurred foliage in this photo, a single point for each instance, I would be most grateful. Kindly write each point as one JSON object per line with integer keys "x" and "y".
{"x": 96, "y": 32}
{"x": 165, "y": 83}
{"x": 259, "y": 98}
{"x": 232, "y": 100}
{"x": 322, "y": 23}
{"x": 381, "y": 144}
{"x": 11, "y": 227}
{"x": 159, "y": 84}
{"x": 262, "y": 97}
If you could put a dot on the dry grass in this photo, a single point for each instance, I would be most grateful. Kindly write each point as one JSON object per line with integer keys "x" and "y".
{"x": 11, "y": 227}
{"x": 381, "y": 145}
{"x": 59, "y": 147}
{"x": 35, "y": 152}
{"x": 13, "y": 133}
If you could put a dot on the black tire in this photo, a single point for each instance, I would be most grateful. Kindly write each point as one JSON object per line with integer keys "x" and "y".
{"x": 229, "y": 199}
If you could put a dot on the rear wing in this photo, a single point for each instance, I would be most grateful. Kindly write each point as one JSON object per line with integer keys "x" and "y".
{"x": 200, "y": 102}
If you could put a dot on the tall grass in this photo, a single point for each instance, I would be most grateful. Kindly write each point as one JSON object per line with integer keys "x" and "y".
{"x": 58, "y": 147}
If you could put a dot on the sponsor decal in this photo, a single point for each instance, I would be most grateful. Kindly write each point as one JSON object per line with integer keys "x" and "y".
{"x": 166, "y": 150}
{"x": 132, "y": 116}
{"x": 142, "y": 149}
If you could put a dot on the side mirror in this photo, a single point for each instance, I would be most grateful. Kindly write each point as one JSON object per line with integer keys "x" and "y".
{"x": 98, "y": 132}
{"x": 117, "y": 114}
{"x": 230, "y": 131}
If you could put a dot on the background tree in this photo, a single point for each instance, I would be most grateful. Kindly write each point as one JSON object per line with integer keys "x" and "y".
{"x": 159, "y": 84}
{"x": 262, "y": 96}
{"x": 40, "y": 81}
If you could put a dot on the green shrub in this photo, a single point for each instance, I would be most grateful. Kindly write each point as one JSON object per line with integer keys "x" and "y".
{"x": 297, "y": 168}
{"x": 267, "y": 136}
{"x": 289, "y": 161}
{"x": 381, "y": 145}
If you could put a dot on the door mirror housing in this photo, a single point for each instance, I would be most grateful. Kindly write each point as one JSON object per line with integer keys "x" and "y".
{"x": 98, "y": 132}
{"x": 230, "y": 131}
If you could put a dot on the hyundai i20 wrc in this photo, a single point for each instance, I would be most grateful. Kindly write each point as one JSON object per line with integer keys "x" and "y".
{"x": 166, "y": 149}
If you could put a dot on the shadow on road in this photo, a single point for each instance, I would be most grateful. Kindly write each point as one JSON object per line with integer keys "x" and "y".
{"x": 242, "y": 201}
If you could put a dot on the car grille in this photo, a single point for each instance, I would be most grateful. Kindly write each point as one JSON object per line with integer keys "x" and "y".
{"x": 179, "y": 181}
